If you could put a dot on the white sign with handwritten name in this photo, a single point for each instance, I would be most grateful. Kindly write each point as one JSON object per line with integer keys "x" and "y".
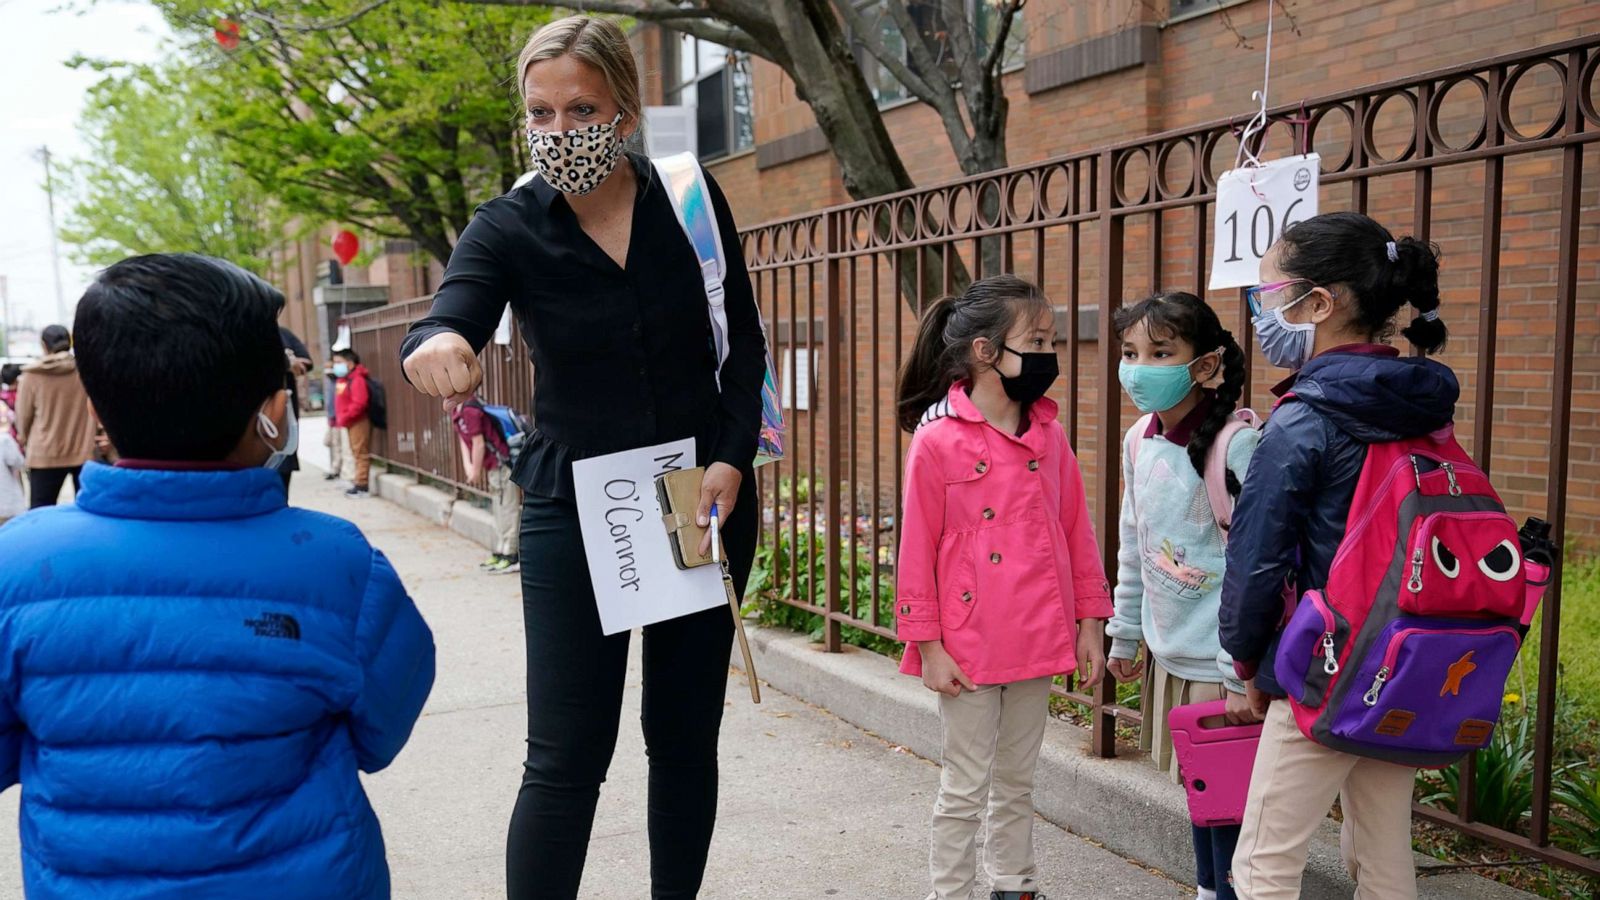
{"x": 1254, "y": 206}
{"x": 636, "y": 581}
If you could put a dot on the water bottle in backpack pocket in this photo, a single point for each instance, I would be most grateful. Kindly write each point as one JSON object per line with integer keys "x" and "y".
{"x": 1404, "y": 655}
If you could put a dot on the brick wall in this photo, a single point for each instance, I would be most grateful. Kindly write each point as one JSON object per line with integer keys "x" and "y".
{"x": 1199, "y": 73}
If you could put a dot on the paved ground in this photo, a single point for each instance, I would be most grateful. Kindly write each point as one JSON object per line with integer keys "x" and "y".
{"x": 812, "y": 807}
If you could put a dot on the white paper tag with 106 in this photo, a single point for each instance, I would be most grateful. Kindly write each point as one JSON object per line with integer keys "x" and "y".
{"x": 1254, "y": 206}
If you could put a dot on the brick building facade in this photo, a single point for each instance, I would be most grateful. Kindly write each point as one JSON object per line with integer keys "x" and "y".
{"x": 1094, "y": 74}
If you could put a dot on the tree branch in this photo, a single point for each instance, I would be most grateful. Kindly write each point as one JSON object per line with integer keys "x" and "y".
{"x": 997, "y": 50}
{"x": 871, "y": 37}
{"x": 700, "y": 21}
{"x": 330, "y": 25}
{"x": 962, "y": 41}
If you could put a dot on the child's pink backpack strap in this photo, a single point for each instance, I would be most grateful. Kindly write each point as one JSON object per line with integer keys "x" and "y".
{"x": 1217, "y": 468}
{"x": 1139, "y": 429}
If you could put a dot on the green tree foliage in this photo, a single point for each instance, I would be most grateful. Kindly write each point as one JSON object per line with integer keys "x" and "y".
{"x": 154, "y": 180}
{"x": 399, "y": 117}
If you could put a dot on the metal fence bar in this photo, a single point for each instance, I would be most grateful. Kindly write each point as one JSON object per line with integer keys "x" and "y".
{"x": 1560, "y": 429}
{"x": 834, "y": 352}
{"x": 1108, "y": 493}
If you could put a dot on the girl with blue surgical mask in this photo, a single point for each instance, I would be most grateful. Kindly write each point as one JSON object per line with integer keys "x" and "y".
{"x": 1170, "y": 561}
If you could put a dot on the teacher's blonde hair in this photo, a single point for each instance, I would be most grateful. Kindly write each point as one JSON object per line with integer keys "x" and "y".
{"x": 598, "y": 42}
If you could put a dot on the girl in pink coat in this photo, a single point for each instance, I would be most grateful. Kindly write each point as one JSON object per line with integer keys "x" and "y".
{"x": 1000, "y": 583}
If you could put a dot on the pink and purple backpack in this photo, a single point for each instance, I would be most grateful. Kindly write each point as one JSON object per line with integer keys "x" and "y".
{"x": 1404, "y": 655}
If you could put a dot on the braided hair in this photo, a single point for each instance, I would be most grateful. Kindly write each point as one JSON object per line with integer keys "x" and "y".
{"x": 1181, "y": 315}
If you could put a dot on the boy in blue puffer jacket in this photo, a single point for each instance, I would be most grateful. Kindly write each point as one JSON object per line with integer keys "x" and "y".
{"x": 191, "y": 673}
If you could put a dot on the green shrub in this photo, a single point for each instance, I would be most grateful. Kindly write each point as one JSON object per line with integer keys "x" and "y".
{"x": 1503, "y": 782}
{"x": 1577, "y": 824}
{"x": 770, "y": 586}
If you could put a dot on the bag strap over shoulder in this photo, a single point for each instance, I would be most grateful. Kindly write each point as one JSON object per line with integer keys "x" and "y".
{"x": 1139, "y": 429}
{"x": 691, "y": 200}
{"x": 1216, "y": 477}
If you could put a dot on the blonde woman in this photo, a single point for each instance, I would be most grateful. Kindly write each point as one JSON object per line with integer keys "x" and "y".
{"x": 609, "y": 296}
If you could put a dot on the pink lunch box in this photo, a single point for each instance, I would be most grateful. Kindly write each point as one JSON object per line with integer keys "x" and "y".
{"x": 1215, "y": 762}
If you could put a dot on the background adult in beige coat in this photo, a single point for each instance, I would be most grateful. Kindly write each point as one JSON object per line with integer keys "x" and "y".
{"x": 53, "y": 419}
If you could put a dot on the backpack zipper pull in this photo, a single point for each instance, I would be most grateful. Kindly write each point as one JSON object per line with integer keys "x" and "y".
{"x": 1370, "y": 698}
{"x": 1450, "y": 473}
{"x": 1330, "y": 663}
{"x": 1415, "y": 584}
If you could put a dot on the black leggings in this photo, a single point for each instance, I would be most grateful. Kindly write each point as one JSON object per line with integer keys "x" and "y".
{"x": 575, "y": 679}
{"x": 44, "y": 485}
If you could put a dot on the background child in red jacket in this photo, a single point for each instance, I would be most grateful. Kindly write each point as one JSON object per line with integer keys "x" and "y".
{"x": 351, "y": 396}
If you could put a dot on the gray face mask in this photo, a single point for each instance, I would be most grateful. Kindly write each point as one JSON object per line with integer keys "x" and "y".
{"x": 1285, "y": 344}
{"x": 268, "y": 430}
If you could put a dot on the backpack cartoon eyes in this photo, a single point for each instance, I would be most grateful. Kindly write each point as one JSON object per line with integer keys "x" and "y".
{"x": 1501, "y": 562}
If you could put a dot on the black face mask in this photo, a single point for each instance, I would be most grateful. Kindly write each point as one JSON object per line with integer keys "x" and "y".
{"x": 1039, "y": 371}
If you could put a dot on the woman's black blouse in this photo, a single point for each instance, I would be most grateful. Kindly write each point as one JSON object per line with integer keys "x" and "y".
{"x": 623, "y": 357}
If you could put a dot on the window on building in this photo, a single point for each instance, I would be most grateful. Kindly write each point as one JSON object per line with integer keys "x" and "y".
{"x": 1189, "y": 9}
{"x": 928, "y": 15}
{"x": 716, "y": 82}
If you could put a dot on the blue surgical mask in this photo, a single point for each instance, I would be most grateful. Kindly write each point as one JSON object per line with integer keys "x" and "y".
{"x": 268, "y": 430}
{"x": 1285, "y": 344}
{"x": 340, "y": 370}
{"x": 1156, "y": 388}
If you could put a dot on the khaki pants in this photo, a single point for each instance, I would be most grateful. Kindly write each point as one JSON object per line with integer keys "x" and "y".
{"x": 340, "y": 462}
{"x": 1291, "y": 789}
{"x": 506, "y": 504}
{"x": 361, "y": 448}
{"x": 991, "y": 745}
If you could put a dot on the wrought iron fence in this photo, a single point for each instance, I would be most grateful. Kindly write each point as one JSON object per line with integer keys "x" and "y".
{"x": 1432, "y": 155}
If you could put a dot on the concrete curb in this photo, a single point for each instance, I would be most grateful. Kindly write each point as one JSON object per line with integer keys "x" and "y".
{"x": 1124, "y": 803}
{"x": 430, "y": 503}
{"x": 474, "y": 523}
{"x": 392, "y": 487}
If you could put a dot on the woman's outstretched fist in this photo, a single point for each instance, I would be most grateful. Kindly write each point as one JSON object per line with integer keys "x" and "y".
{"x": 444, "y": 366}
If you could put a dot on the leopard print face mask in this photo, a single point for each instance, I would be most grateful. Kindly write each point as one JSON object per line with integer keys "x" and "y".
{"x": 576, "y": 161}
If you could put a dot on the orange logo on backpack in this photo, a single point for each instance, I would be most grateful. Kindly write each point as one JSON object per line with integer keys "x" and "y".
{"x": 1458, "y": 670}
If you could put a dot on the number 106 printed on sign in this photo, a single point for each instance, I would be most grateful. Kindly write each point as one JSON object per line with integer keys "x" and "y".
{"x": 1254, "y": 206}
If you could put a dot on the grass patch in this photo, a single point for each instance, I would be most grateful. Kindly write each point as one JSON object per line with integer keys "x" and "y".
{"x": 1579, "y": 675}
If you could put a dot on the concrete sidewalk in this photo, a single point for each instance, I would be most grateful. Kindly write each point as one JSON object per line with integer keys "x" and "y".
{"x": 812, "y": 807}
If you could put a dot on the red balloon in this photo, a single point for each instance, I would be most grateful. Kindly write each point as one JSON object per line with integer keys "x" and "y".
{"x": 345, "y": 246}
{"x": 227, "y": 33}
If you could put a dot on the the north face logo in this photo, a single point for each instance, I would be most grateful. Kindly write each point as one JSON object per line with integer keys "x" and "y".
{"x": 275, "y": 625}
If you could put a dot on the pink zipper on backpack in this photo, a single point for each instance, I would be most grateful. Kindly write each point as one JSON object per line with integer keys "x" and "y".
{"x": 1405, "y": 462}
{"x": 1392, "y": 653}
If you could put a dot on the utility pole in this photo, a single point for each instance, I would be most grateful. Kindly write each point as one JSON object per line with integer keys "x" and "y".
{"x": 55, "y": 250}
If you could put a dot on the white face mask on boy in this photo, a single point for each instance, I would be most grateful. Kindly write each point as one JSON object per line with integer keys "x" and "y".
{"x": 268, "y": 431}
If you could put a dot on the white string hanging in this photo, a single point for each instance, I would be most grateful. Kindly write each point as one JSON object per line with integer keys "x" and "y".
{"x": 1246, "y": 157}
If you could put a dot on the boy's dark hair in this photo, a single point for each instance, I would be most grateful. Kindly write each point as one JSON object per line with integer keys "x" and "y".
{"x": 56, "y": 338}
{"x": 988, "y": 308}
{"x": 1353, "y": 250}
{"x": 348, "y": 353}
{"x": 9, "y": 373}
{"x": 178, "y": 351}
{"x": 1181, "y": 315}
